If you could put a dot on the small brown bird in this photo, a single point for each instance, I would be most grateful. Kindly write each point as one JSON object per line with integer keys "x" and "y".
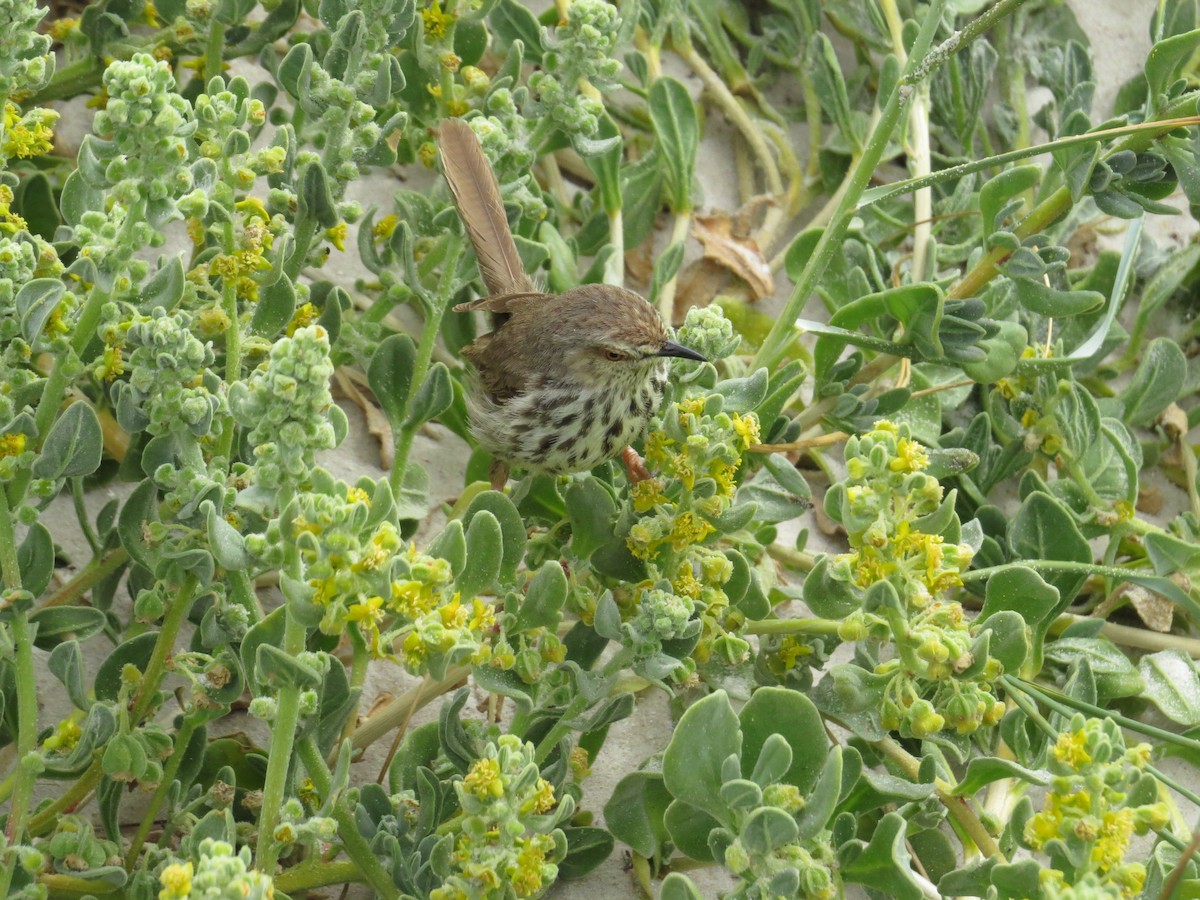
{"x": 565, "y": 381}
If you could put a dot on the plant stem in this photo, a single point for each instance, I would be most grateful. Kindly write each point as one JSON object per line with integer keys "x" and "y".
{"x": 283, "y": 735}
{"x": 1068, "y": 705}
{"x": 87, "y": 578}
{"x": 429, "y": 335}
{"x": 182, "y": 738}
{"x": 958, "y": 807}
{"x": 25, "y": 679}
{"x": 920, "y": 64}
{"x": 69, "y": 800}
{"x": 791, "y": 626}
{"x": 157, "y": 666}
{"x": 353, "y": 842}
{"x": 666, "y": 295}
{"x": 399, "y": 708}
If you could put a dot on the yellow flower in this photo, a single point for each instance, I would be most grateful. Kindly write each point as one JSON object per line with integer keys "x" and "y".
{"x": 483, "y": 780}
{"x": 1072, "y": 749}
{"x": 747, "y": 429}
{"x": 526, "y": 874}
{"x": 1115, "y": 832}
{"x": 337, "y": 236}
{"x": 689, "y": 529}
{"x": 11, "y": 445}
{"x": 483, "y": 617}
{"x": 910, "y": 457}
{"x": 542, "y": 800}
{"x": 176, "y": 880}
{"x": 437, "y": 23}
{"x": 385, "y": 226}
{"x": 656, "y": 449}
{"x": 304, "y": 316}
{"x": 647, "y": 494}
{"x": 368, "y": 611}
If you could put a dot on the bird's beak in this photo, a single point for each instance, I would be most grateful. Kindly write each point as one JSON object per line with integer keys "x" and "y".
{"x": 670, "y": 348}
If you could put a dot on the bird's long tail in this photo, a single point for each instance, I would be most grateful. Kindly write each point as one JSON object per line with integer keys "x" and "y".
{"x": 477, "y": 197}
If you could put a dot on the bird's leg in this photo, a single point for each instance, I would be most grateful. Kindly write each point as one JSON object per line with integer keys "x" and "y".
{"x": 635, "y": 466}
{"x": 498, "y": 473}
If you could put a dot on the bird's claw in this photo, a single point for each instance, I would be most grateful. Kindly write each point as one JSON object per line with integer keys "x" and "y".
{"x": 635, "y": 466}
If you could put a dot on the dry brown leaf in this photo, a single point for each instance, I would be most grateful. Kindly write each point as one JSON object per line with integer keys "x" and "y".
{"x": 1150, "y": 500}
{"x": 735, "y": 251}
{"x": 1155, "y": 610}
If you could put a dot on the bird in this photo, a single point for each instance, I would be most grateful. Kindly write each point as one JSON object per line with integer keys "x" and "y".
{"x": 562, "y": 382}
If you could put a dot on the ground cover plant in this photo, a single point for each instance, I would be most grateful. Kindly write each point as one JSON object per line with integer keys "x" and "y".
{"x": 918, "y": 559}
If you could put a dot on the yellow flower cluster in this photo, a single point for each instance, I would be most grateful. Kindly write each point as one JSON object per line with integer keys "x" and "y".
{"x": 1100, "y": 798}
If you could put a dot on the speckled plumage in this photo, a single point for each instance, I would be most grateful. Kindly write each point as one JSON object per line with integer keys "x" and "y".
{"x": 563, "y": 382}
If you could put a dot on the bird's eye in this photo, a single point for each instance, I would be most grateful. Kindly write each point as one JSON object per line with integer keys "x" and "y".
{"x": 614, "y": 355}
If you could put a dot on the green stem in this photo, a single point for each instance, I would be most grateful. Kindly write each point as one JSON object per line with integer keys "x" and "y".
{"x": 233, "y": 364}
{"x": 791, "y": 626}
{"x": 87, "y": 578}
{"x": 182, "y": 738}
{"x": 313, "y": 873}
{"x": 214, "y": 50}
{"x": 353, "y": 842}
{"x": 666, "y": 295}
{"x": 1068, "y": 705}
{"x": 920, "y": 64}
{"x": 283, "y": 735}
{"x": 958, "y": 807}
{"x": 25, "y": 679}
{"x": 429, "y": 335}
{"x": 156, "y": 668}
{"x": 69, "y": 800}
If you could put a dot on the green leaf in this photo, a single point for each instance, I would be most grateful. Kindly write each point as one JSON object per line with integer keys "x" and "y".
{"x": 1037, "y": 296}
{"x": 677, "y": 886}
{"x": 1009, "y": 646}
{"x": 35, "y": 559}
{"x": 689, "y": 828}
{"x": 790, "y": 714}
{"x": 884, "y": 864}
{"x": 830, "y": 87}
{"x": 1044, "y": 529}
{"x": 593, "y": 513}
{"x": 706, "y": 735}
{"x": 822, "y": 800}
{"x": 485, "y": 548}
{"x": 511, "y": 21}
{"x": 743, "y": 395}
{"x": 165, "y": 287}
{"x": 995, "y": 194}
{"x": 1169, "y": 554}
{"x": 543, "y": 602}
{"x": 133, "y": 652}
{"x": 1166, "y": 61}
{"x": 433, "y": 397}
{"x": 766, "y": 829}
{"x": 1172, "y": 685}
{"x": 66, "y": 664}
{"x": 512, "y": 527}
{"x": 390, "y": 375}
{"x": 673, "y": 115}
{"x": 62, "y": 623}
{"x": 983, "y": 770}
{"x": 587, "y": 847}
{"x": 35, "y": 301}
{"x": 275, "y": 308}
{"x": 1156, "y": 384}
{"x": 74, "y": 445}
{"x": 226, "y": 543}
{"x": 315, "y": 197}
{"x": 1115, "y": 674}
{"x": 829, "y": 597}
{"x": 635, "y": 812}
